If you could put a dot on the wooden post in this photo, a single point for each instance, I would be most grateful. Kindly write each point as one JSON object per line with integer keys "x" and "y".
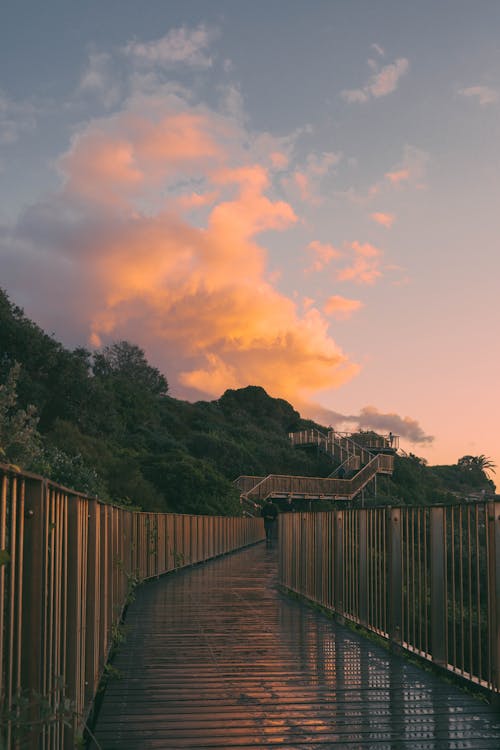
{"x": 338, "y": 573}
{"x": 395, "y": 603}
{"x": 363, "y": 567}
{"x": 93, "y": 603}
{"x": 438, "y": 612}
{"x": 32, "y": 634}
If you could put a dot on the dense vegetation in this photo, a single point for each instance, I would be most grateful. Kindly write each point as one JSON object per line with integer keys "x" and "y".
{"x": 103, "y": 423}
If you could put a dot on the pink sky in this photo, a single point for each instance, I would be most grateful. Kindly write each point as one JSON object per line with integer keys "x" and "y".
{"x": 335, "y": 246}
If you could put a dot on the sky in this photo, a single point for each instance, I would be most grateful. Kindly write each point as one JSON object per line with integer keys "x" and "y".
{"x": 297, "y": 194}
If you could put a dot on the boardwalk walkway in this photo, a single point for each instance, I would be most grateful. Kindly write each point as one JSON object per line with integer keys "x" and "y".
{"x": 216, "y": 657}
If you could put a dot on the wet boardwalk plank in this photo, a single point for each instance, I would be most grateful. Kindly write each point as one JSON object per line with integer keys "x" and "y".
{"x": 216, "y": 657}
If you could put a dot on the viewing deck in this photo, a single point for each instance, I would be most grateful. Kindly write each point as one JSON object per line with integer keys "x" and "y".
{"x": 216, "y": 657}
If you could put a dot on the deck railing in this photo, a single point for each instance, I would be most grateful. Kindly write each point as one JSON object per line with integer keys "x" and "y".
{"x": 68, "y": 565}
{"x": 427, "y": 578}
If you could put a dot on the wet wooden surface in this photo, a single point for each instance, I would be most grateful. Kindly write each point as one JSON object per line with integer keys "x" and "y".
{"x": 216, "y": 657}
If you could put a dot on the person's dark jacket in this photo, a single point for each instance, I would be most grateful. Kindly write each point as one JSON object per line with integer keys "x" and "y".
{"x": 269, "y": 512}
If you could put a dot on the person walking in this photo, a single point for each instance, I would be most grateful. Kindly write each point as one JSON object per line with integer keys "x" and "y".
{"x": 269, "y": 513}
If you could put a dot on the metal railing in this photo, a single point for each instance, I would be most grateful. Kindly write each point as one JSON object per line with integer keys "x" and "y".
{"x": 426, "y": 578}
{"x": 68, "y": 565}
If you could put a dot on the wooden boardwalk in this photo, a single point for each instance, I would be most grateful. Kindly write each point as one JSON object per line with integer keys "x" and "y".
{"x": 216, "y": 657}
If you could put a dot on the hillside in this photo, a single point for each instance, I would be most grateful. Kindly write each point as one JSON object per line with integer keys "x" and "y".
{"x": 104, "y": 422}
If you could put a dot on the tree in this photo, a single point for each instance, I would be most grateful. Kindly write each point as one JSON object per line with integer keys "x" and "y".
{"x": 128, "y": 362}
{"x": 20, "y": 441}
{"x": 476, "y": 464}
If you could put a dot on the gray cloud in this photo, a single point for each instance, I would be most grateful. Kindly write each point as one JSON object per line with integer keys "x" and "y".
{"x": 179, "y": 46}
{"x": 369, "y": 418}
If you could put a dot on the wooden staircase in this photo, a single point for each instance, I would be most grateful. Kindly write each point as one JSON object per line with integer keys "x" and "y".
{"x": 352, "y": 457}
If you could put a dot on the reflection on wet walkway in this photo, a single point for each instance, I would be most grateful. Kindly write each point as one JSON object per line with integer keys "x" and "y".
{"x": 216, "y": 657}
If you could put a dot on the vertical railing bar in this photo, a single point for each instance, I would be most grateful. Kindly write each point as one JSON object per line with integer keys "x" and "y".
{"x": 419, "y": 579}
{"x": 57, "y": 608}
{"x": 339, "y": 562}
{"x": 63, "y": 534}
{"x": 382, "y": 570}
{"x": 363, "y": 587}
{"x": 438, "y": 587}
{"x": 462, "y": 590}
{"x": 405, "y": 535}
{"x": 383, "y": 525}
{"x": 45, "y": 589}
{"x": 371, "y": 557}
{"x": 11, "y": 595}
{"x": 396, "y": 574}
{"x": 469, "y": 592}
{"x": 377, "y": 579}
{"x": 478, "y": 596}
{"x": 52, "y": 578}
{"x": 413, "y": 577}
{"x": 19, "y": 587}
{"x": 453, "y": 588}
{"x": 374, "y": 554}
{"x": 3, "y": 545}
{"x": 426, "y": 579}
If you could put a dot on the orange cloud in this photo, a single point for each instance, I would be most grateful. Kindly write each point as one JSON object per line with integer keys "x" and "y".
{"x": 361, "y": 272}
{"x": 385, "y": 220}
{"x": 340, "y": 307}
{"x": 120, "y": 159}
{"x": 198, "y": 297}
{"x": 400, "y": 175}
{"x": 366, "y": 249}
{"x": 365, "y": 267}
{"x": 279, "y": 160}
{"x": 323, "y": 254}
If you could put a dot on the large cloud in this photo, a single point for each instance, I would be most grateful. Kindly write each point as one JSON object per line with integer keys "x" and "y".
{"x": 153, "y": 237}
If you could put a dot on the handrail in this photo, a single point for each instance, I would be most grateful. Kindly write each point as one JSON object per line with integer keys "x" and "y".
{"x": 339, "y": 445}
{"x": 245, "y": 483}
{"x": 342, "y": 444}
{"x": 426, "y": 579}
{"x": 352, "y": 463}
{"x": 68, "y": 565}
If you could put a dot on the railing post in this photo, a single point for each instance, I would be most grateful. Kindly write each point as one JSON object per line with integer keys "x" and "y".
{"x": 33, "y": 573}
{"x": 494, "y": 593}
{"x": 74, "y": 609}
{"x": 363, "y": 566}
{"x": 438, "y": 610}
{"x": 93, "y": 604}
{"x": 338, "y": 596}
{"x": 395, "y": 603}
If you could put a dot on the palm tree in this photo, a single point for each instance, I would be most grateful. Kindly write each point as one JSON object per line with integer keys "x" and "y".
{"x": 477, "y": 463}
{"x": 485, "y": 464}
